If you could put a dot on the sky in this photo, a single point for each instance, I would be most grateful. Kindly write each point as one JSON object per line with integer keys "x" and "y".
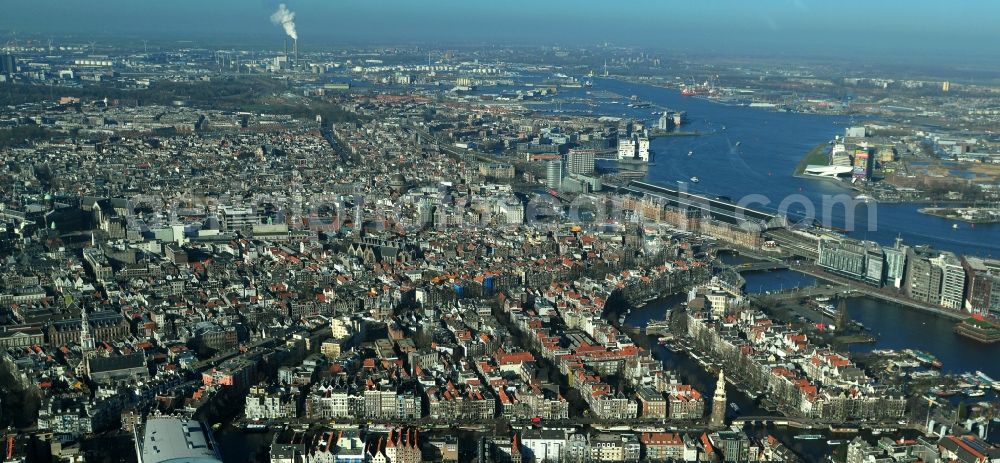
{"x": 903, "y": 29}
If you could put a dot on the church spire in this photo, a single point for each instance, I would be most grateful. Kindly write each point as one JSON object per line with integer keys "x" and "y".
{"x": 718, "y": 418}
{"x": 86, "y": 340}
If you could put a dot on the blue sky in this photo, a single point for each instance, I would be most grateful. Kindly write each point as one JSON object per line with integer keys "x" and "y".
{"x": 889, "y": 27}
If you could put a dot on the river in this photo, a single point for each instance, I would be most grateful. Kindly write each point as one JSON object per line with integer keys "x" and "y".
{"x": 898, "y": 327}
{"x": 746, "y": 151}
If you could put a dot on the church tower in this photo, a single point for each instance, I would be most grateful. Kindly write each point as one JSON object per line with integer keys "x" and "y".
{"x": 718, "y": 418}
{"x": 842, "y": 318}
{"x": 86, "y": 340}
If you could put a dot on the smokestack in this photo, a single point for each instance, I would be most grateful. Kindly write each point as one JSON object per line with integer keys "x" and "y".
{"x": 295, "y": 50}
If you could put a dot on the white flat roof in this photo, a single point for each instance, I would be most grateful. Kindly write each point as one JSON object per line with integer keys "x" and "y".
{"x": 176, "y": 440}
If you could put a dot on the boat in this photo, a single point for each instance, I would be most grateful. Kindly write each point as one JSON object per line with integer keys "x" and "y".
{"x": 945, "y": 392}
{"x": 739, "y": 143}
{"x": 255, "y": 427}
{"x": 736, "y": 408}
{"x": 695, "y": 180}
{"x": 923, "y": 357}
{"x": 834, "y": 442}
{"x": 954, "y": 226}
{"x": 690, "y": 153}
{"x": 975, "y": 393}
{"x": 808, "y": 437}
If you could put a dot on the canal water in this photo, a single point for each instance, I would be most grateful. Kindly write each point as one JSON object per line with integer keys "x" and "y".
{"x": 692, "y": 373}
{"x": 744, "y": 151}
{"x": 238, "y": 446}
{"x": 898, "y": 327}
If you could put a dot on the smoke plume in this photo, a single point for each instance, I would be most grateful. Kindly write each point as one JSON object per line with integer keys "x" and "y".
{"x": 286, "y": 19}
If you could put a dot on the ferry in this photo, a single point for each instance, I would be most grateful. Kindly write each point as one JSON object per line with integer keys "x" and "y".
{"x": 808, "y": 437}
{"x": 695, "y": 180}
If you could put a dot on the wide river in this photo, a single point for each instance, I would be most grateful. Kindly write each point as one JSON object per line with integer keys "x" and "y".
{"x": 743, "y": 151}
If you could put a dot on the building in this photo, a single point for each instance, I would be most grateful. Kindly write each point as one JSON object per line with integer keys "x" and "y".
{"x": 118, "y": 367}
{"x": 614, "y": 447}
{"x": 874, "y": 265}
{"x": 952, "y": 281}
{"x": 237, "y": 218}
{"x": 8, "y": 65}
{"x": 733, "y": 444}
{"x": 106, "y": 325}
{"x": 269, "y": 404}
{"x": 982, "y": 285}
{"x": 862, "y": 165}
{"x": 856, "y": 132}
{"x": 844, "y": 257}
{"x": 652, "y": 405}
{"x": 497, "y": 170}
{"x": 662, "y": 446}
{"x": 554, "y": 174}
{"x": 580, "y": 161}
{"x": 97, "y": 263}
{"x": 169, "y": 439}
{"x": 543, "y": 444}
{"x": 718, "y": 418}
{"x": 923, "y": 278}
{"x": 967, "y": 449}
{"x": 895, "y": 264}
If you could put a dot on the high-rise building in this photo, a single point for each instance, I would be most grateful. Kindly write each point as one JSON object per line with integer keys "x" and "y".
{"x": 554, "y": 174}
{"x": 923, "y": 278}
{"x": 874, "y": 264}
{"x": 580, "y": 161}
{"x": 952, "y": 281}
{"x": 895, "y": 264}
{"x": 982, "y": 285}
{"x": 862, "y": 164}
{"x": 627, "y": 148}
{"x": 718, "y": 418}
{"x": 643, "y": 152}
{"x": 8, "y": 65}
{"x": 665, "y": 122}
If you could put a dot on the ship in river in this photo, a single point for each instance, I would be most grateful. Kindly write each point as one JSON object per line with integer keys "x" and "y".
{"x": 978, "y": 329}
{"x": 923, "y": 357}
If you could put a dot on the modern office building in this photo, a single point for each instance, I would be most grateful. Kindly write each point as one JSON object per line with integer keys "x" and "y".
{"x": 580, "y": 161}
{"x": 923, "y": 278}
{"x": 842, "y": 256}
{"x": 952, "y": 281}
{"x": 895, "y": 264}
{"x": 982, "y": 285}
{"x": 554, "y": 174}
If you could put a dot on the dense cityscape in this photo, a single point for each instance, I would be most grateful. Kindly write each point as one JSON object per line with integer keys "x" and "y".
{"x": 497, "y": 253}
